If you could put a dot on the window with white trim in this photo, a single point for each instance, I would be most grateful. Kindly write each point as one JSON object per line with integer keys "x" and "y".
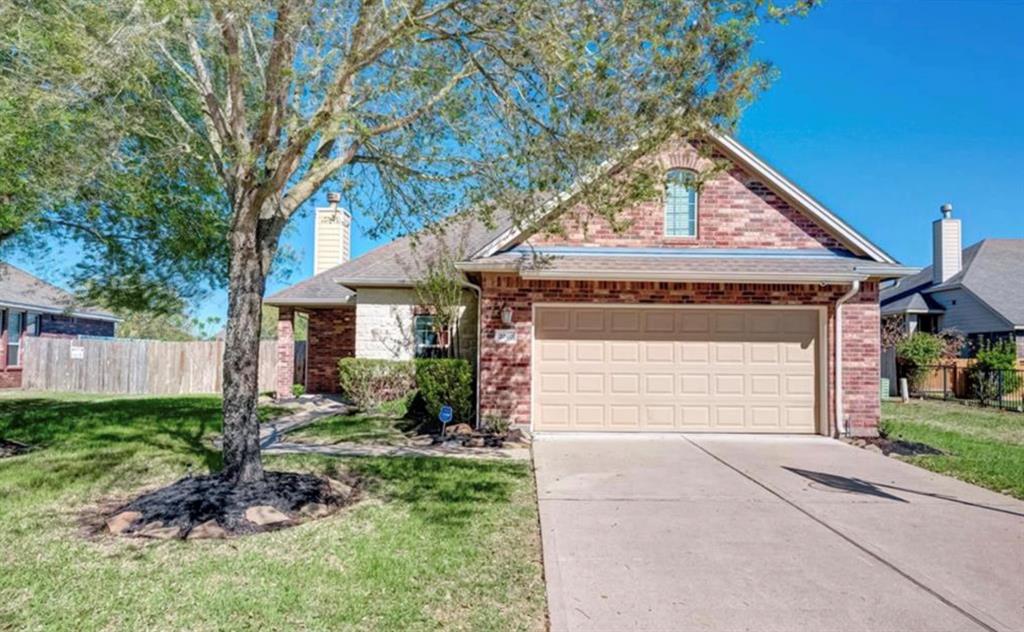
{"x": 15, "y": 324}
{"x": 680, "y": 203}
{"x": 425, "y": 336}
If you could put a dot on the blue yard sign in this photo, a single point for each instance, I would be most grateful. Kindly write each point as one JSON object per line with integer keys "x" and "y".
{"x": 446, "y": 414}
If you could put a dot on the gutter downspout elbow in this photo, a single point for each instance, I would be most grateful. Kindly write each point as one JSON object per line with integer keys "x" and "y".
{"x": 841, "y": 428}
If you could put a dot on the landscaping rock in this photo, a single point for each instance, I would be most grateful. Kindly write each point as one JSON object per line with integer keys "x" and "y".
{"x": 421, "y": 440}
{"x": 475, "y": 442}
{"x": 265, "y": 515}
{"x": 517, "y": 435}
{"x": 158, "y": 531}
{"x": 208, "y": 530}
{"x": 314, "y": 510}
{"x": 119, "y": 523}
{"x": 339, "y": 488}
{"x": 459, "y": 430}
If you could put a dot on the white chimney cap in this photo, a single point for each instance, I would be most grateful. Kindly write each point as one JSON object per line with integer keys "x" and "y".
{"x": 946, "y": 210}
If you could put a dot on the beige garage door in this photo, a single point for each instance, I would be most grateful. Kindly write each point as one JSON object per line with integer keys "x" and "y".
{"x": 675, "y": 369}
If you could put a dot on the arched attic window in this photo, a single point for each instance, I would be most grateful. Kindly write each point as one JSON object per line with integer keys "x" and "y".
{"x": 680, "y": 203}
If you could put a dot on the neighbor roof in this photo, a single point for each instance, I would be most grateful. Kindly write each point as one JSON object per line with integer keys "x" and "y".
{"x": 993, "y": 271}
{"x": 21, "y": 290}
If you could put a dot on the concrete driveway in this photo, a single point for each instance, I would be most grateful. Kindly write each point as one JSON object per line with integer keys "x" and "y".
{"x": 704, "y": 532}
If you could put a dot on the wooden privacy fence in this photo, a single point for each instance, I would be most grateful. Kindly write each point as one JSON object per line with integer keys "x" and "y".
{"x": 133, "y": 367}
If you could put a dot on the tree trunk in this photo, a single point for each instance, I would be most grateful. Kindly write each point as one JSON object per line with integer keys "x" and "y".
{"x": 246, "y": 282}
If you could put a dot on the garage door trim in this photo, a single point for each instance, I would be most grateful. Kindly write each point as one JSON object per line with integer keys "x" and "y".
{"x": 822, "y": 371}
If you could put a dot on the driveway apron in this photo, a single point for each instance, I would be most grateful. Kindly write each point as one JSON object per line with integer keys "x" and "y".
{"x": 713, "y": 532}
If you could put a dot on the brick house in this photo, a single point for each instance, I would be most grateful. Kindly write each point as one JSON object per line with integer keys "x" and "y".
{"x": 30, "y": 306}
{"x": 715, "y": 309}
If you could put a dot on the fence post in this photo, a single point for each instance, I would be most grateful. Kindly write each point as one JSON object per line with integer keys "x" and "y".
{"x": 1000, "y": 374}
{"x": 945, "y": 392}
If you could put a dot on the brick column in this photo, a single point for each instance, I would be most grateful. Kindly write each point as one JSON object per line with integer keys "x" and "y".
{"x": 285, "y": 351}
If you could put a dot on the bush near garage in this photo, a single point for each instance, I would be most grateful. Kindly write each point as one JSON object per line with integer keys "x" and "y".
{"x": 370, "y": 383}
{"x": 446, "y": 381}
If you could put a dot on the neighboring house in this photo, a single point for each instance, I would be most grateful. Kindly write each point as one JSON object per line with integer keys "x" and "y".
{"x": 978, "y": 291}
{"x": 30, "y": 306}
{"x": 714, "y": 310}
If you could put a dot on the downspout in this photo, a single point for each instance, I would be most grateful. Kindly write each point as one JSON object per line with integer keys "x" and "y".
{"x": 479, "y": 323}
{"x": 838, "y": 390}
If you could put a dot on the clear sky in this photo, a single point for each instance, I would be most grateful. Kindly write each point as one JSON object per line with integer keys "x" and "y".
{"x": 883, "y": 110}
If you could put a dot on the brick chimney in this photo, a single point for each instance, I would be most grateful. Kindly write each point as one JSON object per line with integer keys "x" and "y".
{"x": 331, "y": 235}
{"x": 946, "y": 246}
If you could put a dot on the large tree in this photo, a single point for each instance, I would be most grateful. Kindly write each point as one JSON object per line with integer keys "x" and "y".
{"x": 414, "y": 109}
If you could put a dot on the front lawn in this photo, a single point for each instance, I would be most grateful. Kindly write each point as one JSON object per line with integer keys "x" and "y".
{"x": 385, "y": 426}
{"x": 437, "y": 543}
{"x": 979, "y": 445}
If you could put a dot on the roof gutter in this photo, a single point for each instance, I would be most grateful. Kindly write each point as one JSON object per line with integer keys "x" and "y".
{"x": 29, "y": 307}
{"x": 841, "y": 429}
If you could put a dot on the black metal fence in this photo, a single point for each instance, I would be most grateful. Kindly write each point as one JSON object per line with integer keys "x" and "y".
{"x": 998, "y": 388}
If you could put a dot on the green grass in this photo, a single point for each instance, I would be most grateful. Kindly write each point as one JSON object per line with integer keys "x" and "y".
{"x": 386, "y": 425}
{"x": 981, "y": 446}
{"x": 438, "y": 543}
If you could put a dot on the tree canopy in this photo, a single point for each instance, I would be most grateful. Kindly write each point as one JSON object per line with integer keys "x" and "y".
{"x": 233, "y": 113}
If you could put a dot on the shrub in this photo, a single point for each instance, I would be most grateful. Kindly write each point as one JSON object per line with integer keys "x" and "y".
{"x": 994, "y": 371}
{"x": 369, "y": 383}
{"x": 446, "y": 382}
{"x": 496, "y": 423}
{"x": 916, "y": 353}
{"x": 298, "y": 390}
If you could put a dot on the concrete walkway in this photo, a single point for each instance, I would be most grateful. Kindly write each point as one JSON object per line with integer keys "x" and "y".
{"x": 362, "y": 449}
{"x": 707, "y": 532}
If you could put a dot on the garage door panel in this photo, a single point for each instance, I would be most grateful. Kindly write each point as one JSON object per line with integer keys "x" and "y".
{"x": 662, "y": 351}
{"x": 687, "y": 369}
{"x": 589, "y": 383}
{"x": 588, "y": 351}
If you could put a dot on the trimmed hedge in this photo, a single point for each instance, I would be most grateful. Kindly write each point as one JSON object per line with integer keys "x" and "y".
{"x": 370, "y": 383}
{"x": 441, "y": 381}
{"x": 446, "y": 382}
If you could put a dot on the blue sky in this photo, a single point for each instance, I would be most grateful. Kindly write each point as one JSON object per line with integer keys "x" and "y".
{"x": 883, "y": 110}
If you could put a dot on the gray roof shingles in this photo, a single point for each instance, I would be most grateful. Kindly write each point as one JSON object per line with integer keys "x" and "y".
{"x": 396, "y": 263}
{"x": 21, "y": 289}
{"x": 993, "y": 270}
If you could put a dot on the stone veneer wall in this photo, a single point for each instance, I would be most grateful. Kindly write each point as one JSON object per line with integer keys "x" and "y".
{"x": 505, "y": 368}
{"x": 384, "y": 324}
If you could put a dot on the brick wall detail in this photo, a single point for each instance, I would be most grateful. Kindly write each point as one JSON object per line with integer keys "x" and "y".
{"x": 735, "y": 210}
{"x": 505, "y": 368}
{"x": 332, "y": 336}
{"x": 60, "y": 325}
{"x": 285, "y": 351}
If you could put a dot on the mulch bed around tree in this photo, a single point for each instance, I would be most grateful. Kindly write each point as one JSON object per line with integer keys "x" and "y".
{"x": 895, "y": 446}
{"x": 210, "y": 507}
{"x": 12, "y": 448}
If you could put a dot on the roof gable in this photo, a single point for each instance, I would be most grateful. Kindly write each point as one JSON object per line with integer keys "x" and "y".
{"x": 791, "y": 195}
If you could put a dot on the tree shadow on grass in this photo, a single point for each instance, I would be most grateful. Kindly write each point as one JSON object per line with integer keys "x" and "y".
{"x": 449, "y": 492}
{"x": 102, "y": 440}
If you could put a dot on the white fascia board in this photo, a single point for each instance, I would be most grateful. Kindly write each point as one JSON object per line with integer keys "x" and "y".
{"x": 43, "y": 309}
